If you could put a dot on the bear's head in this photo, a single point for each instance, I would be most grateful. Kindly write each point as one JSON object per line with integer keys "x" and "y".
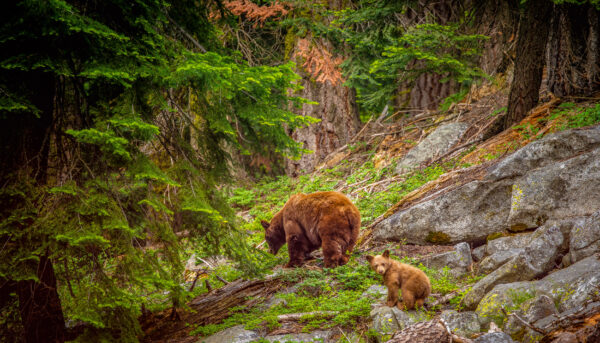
{"x": 274, "y": 235}
{"x": 380, "y": 263}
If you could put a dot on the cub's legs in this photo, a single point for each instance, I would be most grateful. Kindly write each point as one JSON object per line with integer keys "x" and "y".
{"x": 392, "y": 297}
{"x": 408, "y": 300}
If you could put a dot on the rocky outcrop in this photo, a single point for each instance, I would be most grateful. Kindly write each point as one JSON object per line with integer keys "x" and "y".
{"x": 584, "y": 238}
{"x": 536, "y": 259}
{"x": 551, "y": 179}
{"x": 494, "y": 337}
{"x": 569, "y": 288}
{"x": 435, "y": 144}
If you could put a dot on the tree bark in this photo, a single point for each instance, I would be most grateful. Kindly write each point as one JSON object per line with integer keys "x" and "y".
{"x": 40, "y": 307}
{"x": 574, "y": 50}
{"x": 529, "y": 62}
{"x": 337, "y": 111}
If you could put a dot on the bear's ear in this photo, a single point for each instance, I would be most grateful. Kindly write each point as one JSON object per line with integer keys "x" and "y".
{"x": 369, "y": 258}
{"x": 386, "y": 254}
{"x": 265, "y": 224}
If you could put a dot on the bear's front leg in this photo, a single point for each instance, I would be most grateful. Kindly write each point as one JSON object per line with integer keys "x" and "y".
{"x": 296, "y": 251}
{"x": 392, "y": 297}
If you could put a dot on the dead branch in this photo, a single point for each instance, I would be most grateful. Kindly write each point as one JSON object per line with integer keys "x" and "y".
{"x": 523, "y": 321}
{"x": 298, "y": 316}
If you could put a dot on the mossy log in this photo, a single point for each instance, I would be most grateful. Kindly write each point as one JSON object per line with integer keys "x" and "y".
{"x": 209, "y": 308}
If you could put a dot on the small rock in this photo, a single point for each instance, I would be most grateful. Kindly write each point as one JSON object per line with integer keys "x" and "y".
{"x": 506, "y": 243}
{"x": 461, "y": 323}
{"x": 494, "y": 337}
{"x": 494, "y": 261}
{"x": 235, "y": 334}
{"x": 479, "y": 253}
{"x": 531, "y": 311}
{"x": 459, "y": 260}
{"x": 387, "y": 320}
{"x": 376, "y": 292}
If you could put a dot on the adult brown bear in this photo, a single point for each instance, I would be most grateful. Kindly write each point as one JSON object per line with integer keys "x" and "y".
{"x": 310, "y": 221}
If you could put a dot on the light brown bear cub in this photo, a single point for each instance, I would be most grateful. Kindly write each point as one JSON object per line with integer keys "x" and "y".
{"x": 413, "y": 282}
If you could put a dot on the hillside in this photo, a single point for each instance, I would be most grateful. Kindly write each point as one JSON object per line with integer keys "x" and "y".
{"x": 514, "y": 221}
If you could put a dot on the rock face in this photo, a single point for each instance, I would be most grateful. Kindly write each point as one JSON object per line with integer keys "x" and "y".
{"x": 534, "y": 260}
{"x": 568, "y": 288}
{"x": 459, "y": 261}
{"x": 387, "y": 320}
{"x": 461, "y": 323}
{"x": 550, "y": 179}
{"x": 435, "y": 144}
{"x": 585, "y": 238}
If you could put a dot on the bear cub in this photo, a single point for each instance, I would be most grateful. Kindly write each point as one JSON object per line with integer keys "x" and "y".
{"x": 413, "y": 282}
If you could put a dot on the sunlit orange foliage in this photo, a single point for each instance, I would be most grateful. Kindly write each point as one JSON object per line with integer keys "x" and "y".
{"x": 253, "y": 12}
{"x": 319, "y": 62}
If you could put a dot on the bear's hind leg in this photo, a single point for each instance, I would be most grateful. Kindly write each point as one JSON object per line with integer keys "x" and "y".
{"x": 420, "y": 303}
{"x": 408, "y": 300}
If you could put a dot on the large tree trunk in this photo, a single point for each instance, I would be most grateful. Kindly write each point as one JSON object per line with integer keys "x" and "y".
{"x": 529, "y": 62}
{"x": 427, "y": 91}
{"x": 40, "y": 307}
{"x": 336, "y": 106}
{"x": 24, "y": 140}
{"x": 574, "y": 50}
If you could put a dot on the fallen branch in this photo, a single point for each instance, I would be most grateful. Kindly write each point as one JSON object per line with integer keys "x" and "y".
{"x": 523, "y": 321}
{"x": 298, "y": 316}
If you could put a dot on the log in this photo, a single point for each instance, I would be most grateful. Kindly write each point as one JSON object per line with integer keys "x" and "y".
{"x": 424, "y": 332}
{"x": 209, "y": 308}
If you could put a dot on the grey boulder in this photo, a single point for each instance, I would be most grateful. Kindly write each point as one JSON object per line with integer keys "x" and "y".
{"x": 461, "y": 323}
{"x": 459, "y": 261}
{"x": 494, "y": 337}
{"x": 235, "y": 334}
{"x": 536, "y": 259}
{"x": 435, "y": 144}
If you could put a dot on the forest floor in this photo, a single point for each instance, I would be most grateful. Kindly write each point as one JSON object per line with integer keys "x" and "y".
{"x": 364, "y": 170}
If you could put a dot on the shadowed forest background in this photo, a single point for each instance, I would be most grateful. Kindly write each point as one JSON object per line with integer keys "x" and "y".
{"x": 137, "y": 136}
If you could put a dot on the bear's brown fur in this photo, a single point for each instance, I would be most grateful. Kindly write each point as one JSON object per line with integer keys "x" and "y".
{"x": 310, "y": 221}
{"x": 412, "y": 281}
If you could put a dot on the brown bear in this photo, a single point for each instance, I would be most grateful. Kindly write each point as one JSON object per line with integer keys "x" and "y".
{"x": 310, "y": 221}
{"x": 412, "y": 281}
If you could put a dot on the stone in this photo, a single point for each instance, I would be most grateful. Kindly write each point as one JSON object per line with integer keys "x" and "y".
{"x": 585, "y": 238}
{"x": 387, "y": 320}
{"x": 464, "y": 324}
{"x": 564, "y": 189}
{"x": 435, "y": 144}
{"x": 494, "y": 337}
{"x": 479, "y": 253}
{"x": 494, "y": 261}
{"x": 459, "y": 261}
{"x": 315, "y": 336}
{"x": 536, "y": 259}
{"x": 376, "y": 292}
{"x": 470, "y": 213}
{"x": 555, "y": 147}
{"x": 508, "y": 243}
{"x": 533, "y": 310}
{"x": 548, "y": 180}
{"x": 235, "y": 334}
{"x": 568, "y": 288}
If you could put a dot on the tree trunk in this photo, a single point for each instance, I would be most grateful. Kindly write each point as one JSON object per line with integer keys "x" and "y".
{"x": 40, "y": 307}
{"x": 336, "y": 109}
{"x": 574, "y": 50}
{"x": 24, "y": 140}
{"x": 529, "y": 62}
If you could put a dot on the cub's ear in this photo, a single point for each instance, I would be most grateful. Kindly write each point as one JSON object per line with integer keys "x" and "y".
{"x": 265, "y": 224}
{"x": 386, "y": 254}
{"x": 369, "y": 258}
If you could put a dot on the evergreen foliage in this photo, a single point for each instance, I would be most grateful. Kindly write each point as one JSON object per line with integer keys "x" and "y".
{"x": 141, "y": 125}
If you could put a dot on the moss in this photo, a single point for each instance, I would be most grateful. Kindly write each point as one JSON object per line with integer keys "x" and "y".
{"x": 518, "y": 227}
{"x": 495, "y": 235}
{"x": 437, "y": 237}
